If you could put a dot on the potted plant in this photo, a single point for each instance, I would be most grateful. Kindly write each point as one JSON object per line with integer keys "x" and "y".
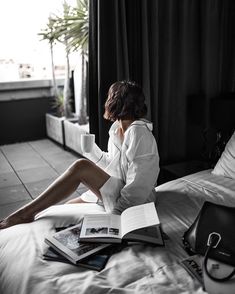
{"x": 75, "y": 27}
{"x": 54, "y": 121}
{"x": 71, "y": 29}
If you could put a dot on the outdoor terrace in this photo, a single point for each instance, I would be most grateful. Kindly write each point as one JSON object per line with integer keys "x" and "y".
{"x": 26, "y": 169}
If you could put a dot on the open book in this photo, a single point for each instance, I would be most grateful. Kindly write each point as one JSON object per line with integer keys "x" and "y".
{"x": 136, "y": 223}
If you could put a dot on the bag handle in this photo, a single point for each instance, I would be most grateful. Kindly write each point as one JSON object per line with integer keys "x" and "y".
{"x": 213, "y": 240}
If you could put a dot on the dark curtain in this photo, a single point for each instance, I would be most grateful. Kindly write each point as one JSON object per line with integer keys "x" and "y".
{"x": 181, "y": 52}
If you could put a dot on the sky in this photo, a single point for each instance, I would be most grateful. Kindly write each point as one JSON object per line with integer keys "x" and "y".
{"x": 20, "y": 22}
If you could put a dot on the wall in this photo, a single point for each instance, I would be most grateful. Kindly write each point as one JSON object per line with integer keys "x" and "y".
{"x": 23, "y": 105}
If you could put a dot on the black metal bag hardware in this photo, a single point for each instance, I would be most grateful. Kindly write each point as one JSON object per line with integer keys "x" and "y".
{"x": 212, "y": 234}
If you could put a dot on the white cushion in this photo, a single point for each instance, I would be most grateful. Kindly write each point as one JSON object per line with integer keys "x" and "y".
{"x": 226, "y": 164}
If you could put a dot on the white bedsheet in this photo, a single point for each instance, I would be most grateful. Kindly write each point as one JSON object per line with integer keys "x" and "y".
{"x": 136, "y": 269}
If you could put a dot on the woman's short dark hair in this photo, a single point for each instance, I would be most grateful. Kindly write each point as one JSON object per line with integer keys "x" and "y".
{"x": 125, "y": 100}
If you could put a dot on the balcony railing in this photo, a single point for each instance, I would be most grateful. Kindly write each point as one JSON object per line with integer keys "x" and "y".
{"x": 23, "y": 105}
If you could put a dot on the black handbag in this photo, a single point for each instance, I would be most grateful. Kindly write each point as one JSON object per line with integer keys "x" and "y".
{"x": 212, "y": 234}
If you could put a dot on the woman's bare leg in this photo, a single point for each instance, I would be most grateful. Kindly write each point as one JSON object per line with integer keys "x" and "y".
{"x": 82, "y": 171}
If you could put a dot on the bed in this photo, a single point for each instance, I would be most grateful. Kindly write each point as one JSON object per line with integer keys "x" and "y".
{"x": 135, "y": 269}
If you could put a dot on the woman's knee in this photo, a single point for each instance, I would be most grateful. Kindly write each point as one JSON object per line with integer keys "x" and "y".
{"x": 80, "y": 166}
{"x": 87, "y": 172}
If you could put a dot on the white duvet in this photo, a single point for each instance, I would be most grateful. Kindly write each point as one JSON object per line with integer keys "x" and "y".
{"x": 136, "y": 269}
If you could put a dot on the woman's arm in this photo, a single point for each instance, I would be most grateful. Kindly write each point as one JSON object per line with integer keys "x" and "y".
{"x": 142, "y": 172}
{"x": 102, "y": 158}
{"x": 99, "y": 157}
{"x": 141, "y": 179}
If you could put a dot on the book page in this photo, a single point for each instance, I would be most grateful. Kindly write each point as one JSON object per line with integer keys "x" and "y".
{"x": 70, "y": 240}
{"x": 137, "y": 217}
{"x": 150, "y": 234}
{"x": 101, "y": 225}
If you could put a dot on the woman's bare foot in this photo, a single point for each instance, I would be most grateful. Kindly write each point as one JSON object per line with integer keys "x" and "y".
{"x": 15, "y": 219}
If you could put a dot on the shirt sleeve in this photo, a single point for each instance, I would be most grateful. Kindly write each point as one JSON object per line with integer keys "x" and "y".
{"x": 141, "y": 175}
{"x": 99, "y": 157}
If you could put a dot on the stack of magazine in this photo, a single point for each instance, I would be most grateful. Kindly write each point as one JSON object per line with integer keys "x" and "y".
{"x": 65, "y": 246}
{"x": 91, "y": 242}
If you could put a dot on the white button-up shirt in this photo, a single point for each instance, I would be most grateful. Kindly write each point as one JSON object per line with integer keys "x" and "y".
{"x": 135, "y": 161}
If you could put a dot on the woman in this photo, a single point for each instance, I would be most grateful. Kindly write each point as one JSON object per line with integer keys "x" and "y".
{"x": 122, "y": 177}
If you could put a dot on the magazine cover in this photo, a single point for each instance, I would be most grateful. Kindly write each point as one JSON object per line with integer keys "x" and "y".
{"x": 193, "y": 264}
{"x": 67, "y": 243}
{"x": 95, "y": 262}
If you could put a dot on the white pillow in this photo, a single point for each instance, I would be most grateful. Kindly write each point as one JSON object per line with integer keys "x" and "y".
{"x": 226, "y": 164}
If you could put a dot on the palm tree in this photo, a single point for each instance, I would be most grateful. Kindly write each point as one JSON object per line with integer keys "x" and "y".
{"x": 49, "y": 35}
{"x": 71, "y": 29}
{"x": 75, "y": 28}
{"x": 61, "y": 34}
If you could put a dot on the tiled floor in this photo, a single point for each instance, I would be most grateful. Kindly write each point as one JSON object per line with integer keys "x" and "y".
{"x": 26, "y": 169}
